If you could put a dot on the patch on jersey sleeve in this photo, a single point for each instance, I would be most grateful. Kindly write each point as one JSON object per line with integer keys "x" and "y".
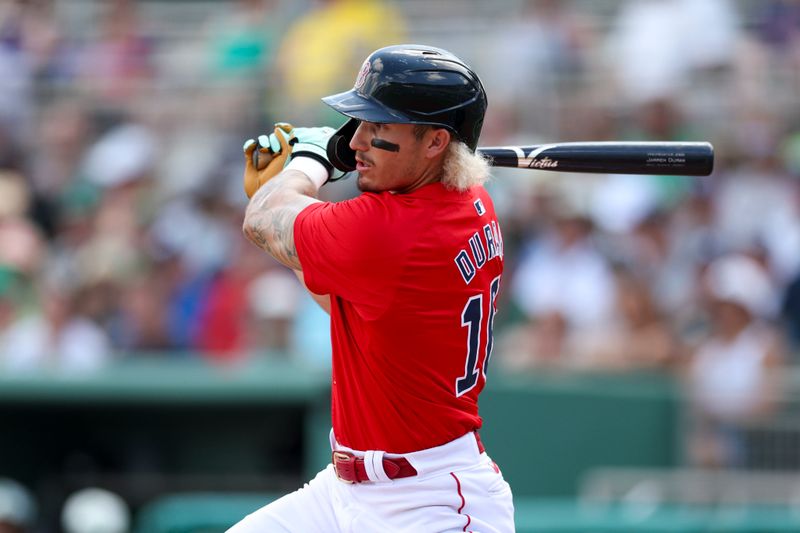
{"x": 479, "y": 207}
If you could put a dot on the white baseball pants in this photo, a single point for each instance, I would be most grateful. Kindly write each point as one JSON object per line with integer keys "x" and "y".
{"x": 456, "y": 488}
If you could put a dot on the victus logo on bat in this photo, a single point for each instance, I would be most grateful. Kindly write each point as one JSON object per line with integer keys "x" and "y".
{"x": 544, "y": 162}
{"x": 532, "y": 160}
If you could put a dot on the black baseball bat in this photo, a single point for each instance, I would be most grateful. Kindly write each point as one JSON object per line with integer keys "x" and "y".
{"x": 614, "y": 157}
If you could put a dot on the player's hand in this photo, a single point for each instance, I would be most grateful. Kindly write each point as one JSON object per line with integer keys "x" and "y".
{"x": 313, "y": 142}
{"x": 266, "y": 156}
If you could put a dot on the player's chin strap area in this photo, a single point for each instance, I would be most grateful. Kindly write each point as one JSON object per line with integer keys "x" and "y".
{"x": 342, "y": 156}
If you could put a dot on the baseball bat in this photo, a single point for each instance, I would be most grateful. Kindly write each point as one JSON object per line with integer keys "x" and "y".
{"x": 614, "y": 157}
{"x": 609, "y": 157}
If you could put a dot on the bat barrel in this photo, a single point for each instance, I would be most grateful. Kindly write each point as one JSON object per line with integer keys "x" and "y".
{"x": 661, "y": 158}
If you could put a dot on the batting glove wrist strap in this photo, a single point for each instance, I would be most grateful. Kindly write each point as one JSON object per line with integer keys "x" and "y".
{"x": 313, "y": 143}
{"x": 317, "y": 172}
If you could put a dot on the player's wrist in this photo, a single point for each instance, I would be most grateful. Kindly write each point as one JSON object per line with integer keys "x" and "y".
{"x": 311, "y": 167}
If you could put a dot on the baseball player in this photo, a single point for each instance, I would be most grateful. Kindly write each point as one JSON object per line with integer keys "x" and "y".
{"x": 410, "y": 272}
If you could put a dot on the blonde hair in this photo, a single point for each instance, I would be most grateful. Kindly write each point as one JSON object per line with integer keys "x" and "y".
{"x": 463, "y": 168}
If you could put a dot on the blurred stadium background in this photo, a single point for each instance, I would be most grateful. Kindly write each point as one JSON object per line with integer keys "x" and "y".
{"x": 159, "y": 375}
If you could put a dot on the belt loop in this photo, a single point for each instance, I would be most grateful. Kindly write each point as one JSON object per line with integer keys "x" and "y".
{"x": 332, "y": 439}
{"x": 373, "y": 464}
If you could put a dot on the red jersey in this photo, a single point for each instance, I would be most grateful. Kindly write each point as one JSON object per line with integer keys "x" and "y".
{"x": 413, "y": 280}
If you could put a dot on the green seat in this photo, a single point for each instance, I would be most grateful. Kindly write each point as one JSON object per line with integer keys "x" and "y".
{"x": 198, "y": 512}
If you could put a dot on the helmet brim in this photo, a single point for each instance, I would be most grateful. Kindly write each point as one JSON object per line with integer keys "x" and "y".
{"x": 354, "y": 105}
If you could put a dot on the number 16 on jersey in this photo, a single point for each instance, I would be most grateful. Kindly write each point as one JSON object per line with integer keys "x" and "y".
{"x": 476, "y": 320}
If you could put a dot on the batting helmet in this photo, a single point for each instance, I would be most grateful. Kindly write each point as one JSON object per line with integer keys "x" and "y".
{"x": 411, "y": 84}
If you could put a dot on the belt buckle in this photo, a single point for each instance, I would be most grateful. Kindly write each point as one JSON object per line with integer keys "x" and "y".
{"x": 345, "y": 461}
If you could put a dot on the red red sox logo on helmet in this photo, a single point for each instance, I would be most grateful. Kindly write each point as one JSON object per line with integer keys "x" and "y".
{"x": 362, "y": 75}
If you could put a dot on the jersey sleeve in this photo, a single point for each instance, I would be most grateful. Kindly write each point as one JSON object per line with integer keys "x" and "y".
{"x": 348, "y": 249}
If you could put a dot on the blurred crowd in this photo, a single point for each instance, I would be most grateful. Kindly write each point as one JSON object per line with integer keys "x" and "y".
{"x": 121, "y": 124}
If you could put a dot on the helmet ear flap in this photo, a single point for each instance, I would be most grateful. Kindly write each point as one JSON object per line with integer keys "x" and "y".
{"x": 340, "y": 154}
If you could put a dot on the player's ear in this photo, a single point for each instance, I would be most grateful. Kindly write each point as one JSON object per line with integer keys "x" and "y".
{"x": 436, "y": 142}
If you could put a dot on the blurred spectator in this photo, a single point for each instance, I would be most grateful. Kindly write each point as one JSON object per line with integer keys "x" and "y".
{"x": 639, "y": 337}
{"x": 186, "y": 297}
{"x": 320, "y": 50}
{"x": 53, "y": 339}
{"x": 112, "y": 252}
{"x": 57, "y": 181}
{"x": 691, "y": 243}
{"x": 124, "y": 154}
{"x": 21, "y": 252}
{"x": 225, "y": 318}
{"x": 667, "y": 249}
{"x": 17, "y": 508}
{"x": 546, "y": 37}
{"x": 183, "y": 223}
{"x": 657, "y": 45}
{"x": 17, "y": 70}
{"x": 243, "y": 39}
{"x": 756, "y": 203}
{"x": 116, "y": 65}
{"x": 22, "y": 247}
{"x": 273, "y": 303}
{"x": 562, "y": 271}
{"x": 95, "y": 510}
{"x": 545, "y": 341}
{"x": 733, "y": 375}
{"x": 32, "y": 29}
{"x": 778, "y": 24}
{"x": 621, "y": 202}
{"x": 14, "y": 196}
{"x": 635, "y": 337}
{"x": 121, "y": 165}
{"x": 141, "y": 324}
{"x": 310, "y": 333}
{"x": 562, "y": 284}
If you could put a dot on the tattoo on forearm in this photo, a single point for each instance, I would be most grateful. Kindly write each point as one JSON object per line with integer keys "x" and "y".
{"x": 272, "y": 230}
{"x": 270, "y": 216}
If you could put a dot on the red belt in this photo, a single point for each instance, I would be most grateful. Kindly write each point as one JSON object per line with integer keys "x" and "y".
{"x": 350, "y": 468}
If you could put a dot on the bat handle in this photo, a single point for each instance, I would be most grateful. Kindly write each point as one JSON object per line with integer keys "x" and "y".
{"x": 260, "y": 160}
